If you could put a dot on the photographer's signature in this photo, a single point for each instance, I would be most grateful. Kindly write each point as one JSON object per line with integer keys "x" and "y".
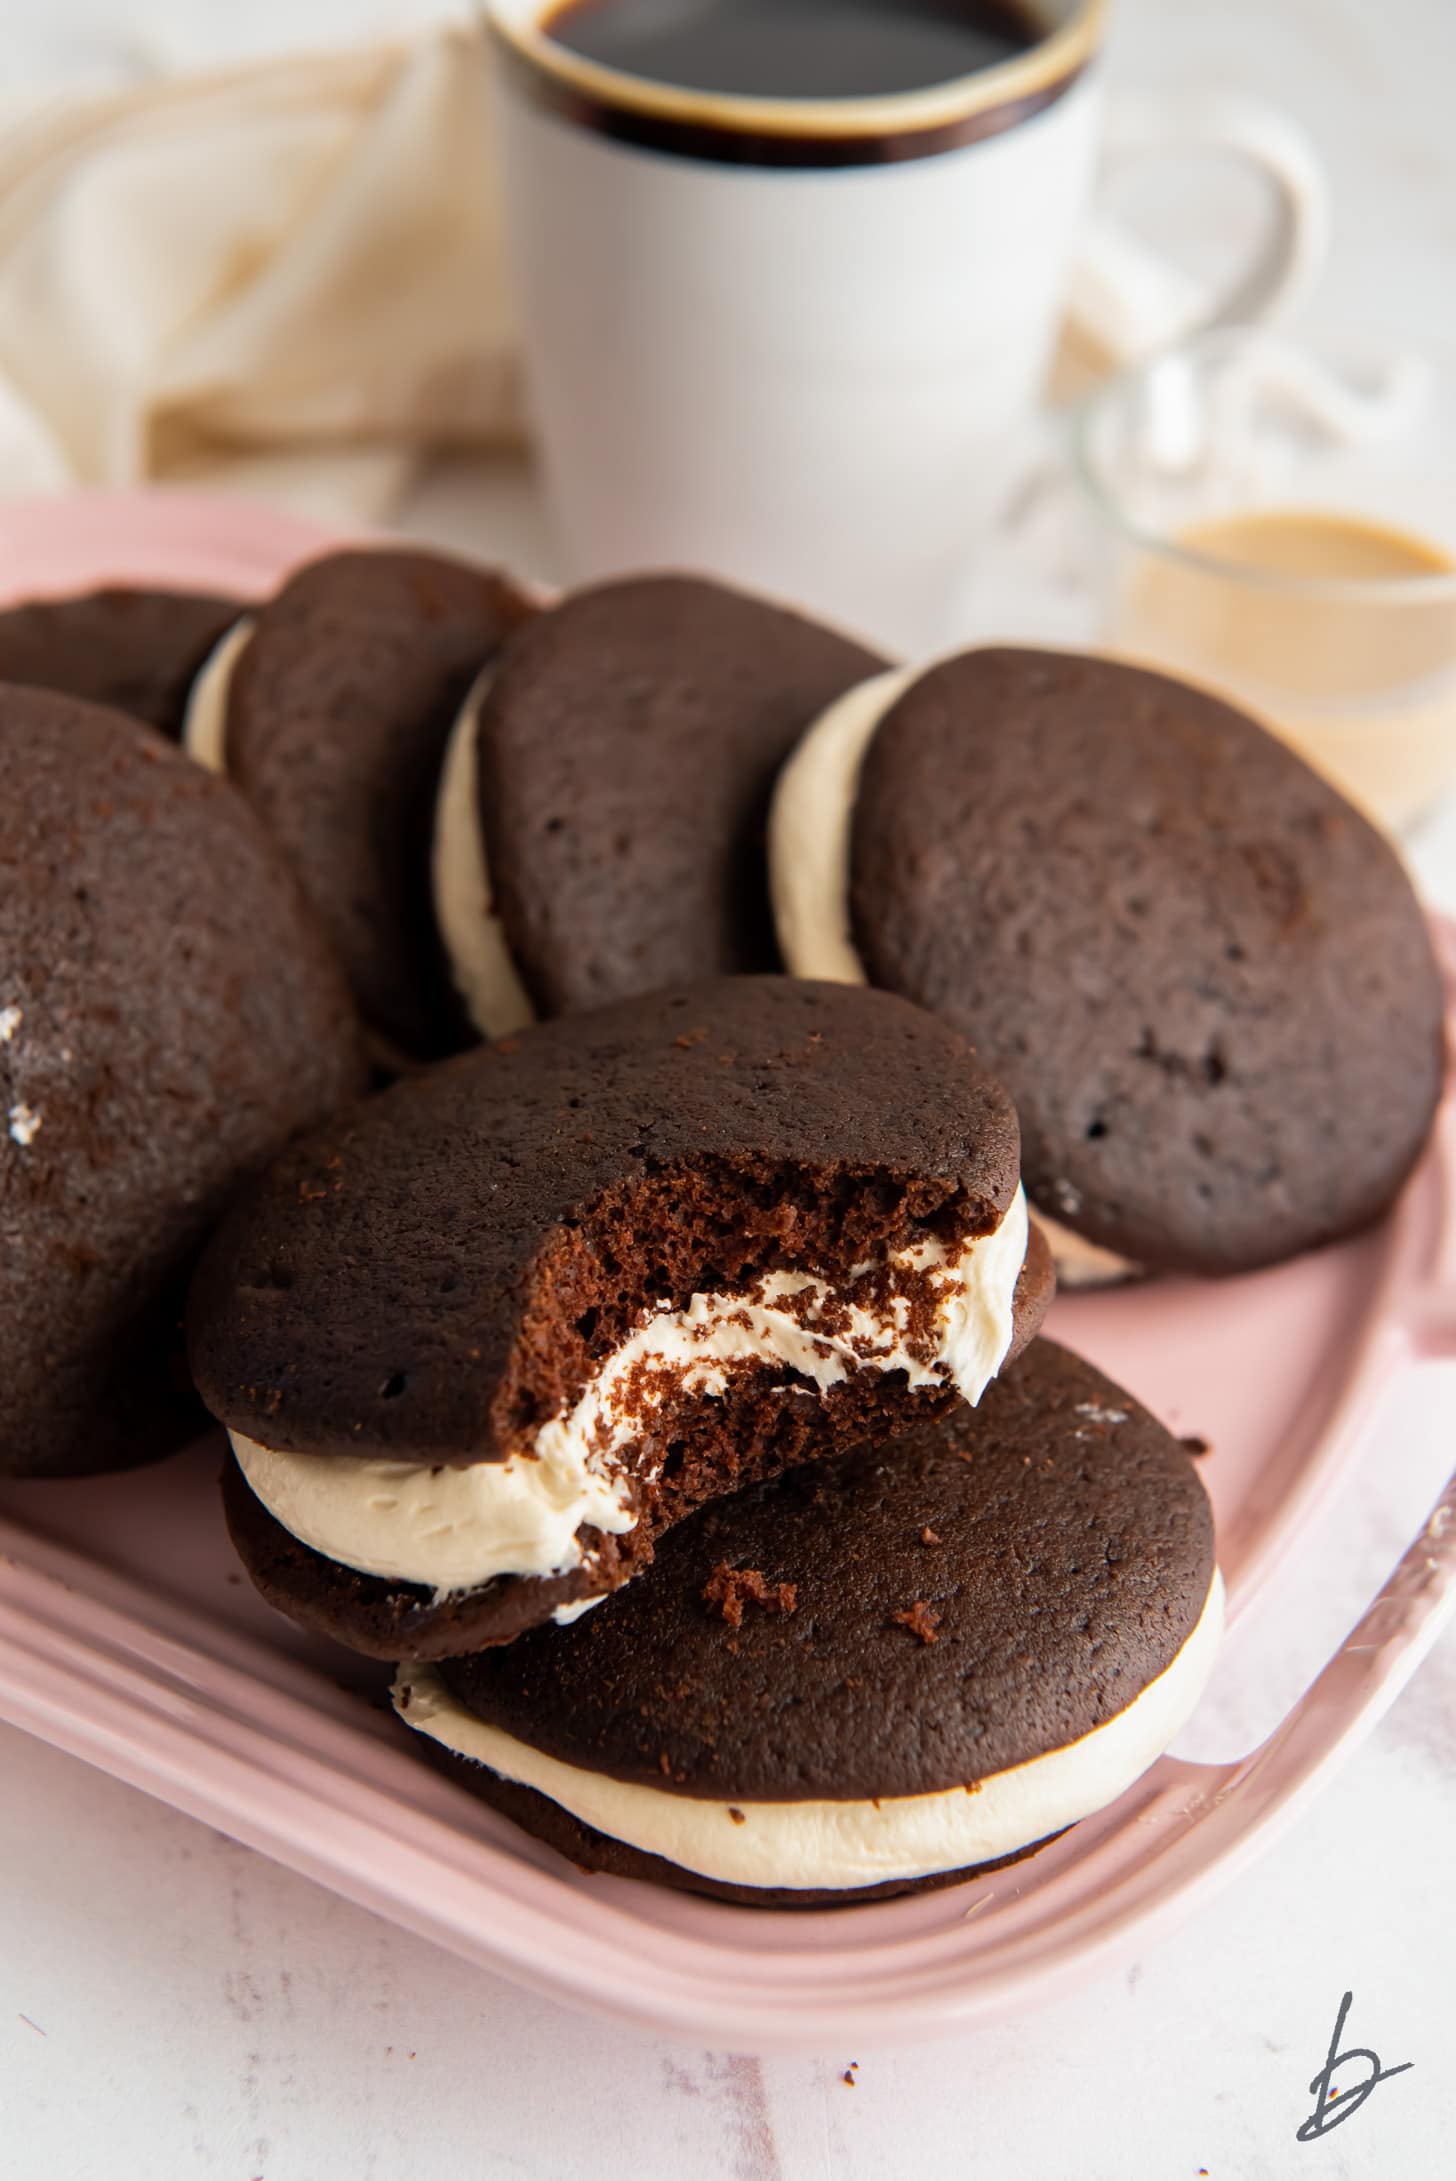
{"x": 1332, "y": 2103}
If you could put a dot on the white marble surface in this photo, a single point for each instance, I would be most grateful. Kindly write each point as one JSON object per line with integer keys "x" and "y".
{"x": 171, "y": 2005}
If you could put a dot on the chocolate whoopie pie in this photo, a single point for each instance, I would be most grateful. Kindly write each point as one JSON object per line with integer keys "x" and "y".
{"x": 884, "y": 1673}
{"x": 601, "y": 820}
{"x": 1203, "y": 976}
{"x": 330, "y": 708}
{"x": 481, "y": 1340}
{"x": 137, "y": 650}
{"x": 169, "y": 1016}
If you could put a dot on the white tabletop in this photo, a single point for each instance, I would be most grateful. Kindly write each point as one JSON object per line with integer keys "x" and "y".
{"x": 172, "y": 2005}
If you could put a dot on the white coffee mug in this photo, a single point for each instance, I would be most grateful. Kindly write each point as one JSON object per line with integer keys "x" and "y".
{"x": 792, "y": 341}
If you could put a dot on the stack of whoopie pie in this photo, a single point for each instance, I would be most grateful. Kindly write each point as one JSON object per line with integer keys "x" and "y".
{"x": 646, "y": 1384}
{"x": 656, "y": 1386}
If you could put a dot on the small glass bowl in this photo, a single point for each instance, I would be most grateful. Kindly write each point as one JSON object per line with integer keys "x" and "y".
{"x": 1271, "y": 531}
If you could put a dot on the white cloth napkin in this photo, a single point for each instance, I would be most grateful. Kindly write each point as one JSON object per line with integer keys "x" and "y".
{"x": 286, "y": 277}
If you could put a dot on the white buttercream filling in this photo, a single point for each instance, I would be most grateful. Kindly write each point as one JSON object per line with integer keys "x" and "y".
{"x": 455, "y": 1528}
{"x": 1080, "y": 1263}
{"x": 451, "y": 1528}
{"x": 204, "y": 725}
{"x": 811, "y": 841}
{"x": 843, "y": 1844}
{"x": 481, "y": 963}
{"x": 810, "y": 831}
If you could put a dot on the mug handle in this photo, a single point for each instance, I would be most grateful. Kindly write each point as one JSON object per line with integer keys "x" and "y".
{"x": 1125, "y": 300}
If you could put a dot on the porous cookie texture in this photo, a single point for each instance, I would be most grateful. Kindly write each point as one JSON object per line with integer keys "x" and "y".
{"x": 135, "y": 649}
{"x": 339, "y": 707}
{"x": 607, "y": 1269}
{"x": 1203, "y": 976}
{"x": 627, "y": 748}
{"x": 753, "y": 1431}
{"x": 995, "y": 1622}
{"x": 169, "y": 1015}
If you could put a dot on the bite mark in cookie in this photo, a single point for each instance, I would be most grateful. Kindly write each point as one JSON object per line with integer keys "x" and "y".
{"x": 482, "y": 1342}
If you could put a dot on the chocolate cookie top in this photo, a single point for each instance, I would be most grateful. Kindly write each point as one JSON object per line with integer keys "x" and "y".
{"x": 136, "y": 650}
{"x": 429, "y": 1270}
{"x": 897, "y": 1622}
{"x": 338, "y": 714}
{"x": 169, "y": 1015}
{"x": 627, "y": 753}
{"x": 1203, "y": 976}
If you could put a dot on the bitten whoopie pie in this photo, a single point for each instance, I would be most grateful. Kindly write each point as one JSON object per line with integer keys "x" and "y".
{"x": 169, "y": 1016}
{"x": 880, "y": 1674}
{"x": 481, "y": 1340}
{"x": 601, "y": 820}
{"x": 1203, "y": 976}
{"x": 136, "y": 650}
{"x": 330, "y": 708}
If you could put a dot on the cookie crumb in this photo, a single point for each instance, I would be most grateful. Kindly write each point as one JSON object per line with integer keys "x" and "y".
{"x": 736, "y": 1814}
{"x": 728, "y": 1590}
{"x": 1194, "y": 1443}
{"x": 930, "y": 1537}
{"x": 921, "y": 1619}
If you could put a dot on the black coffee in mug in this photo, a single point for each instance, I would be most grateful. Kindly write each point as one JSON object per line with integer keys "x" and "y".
{"x": 797, "y": 49}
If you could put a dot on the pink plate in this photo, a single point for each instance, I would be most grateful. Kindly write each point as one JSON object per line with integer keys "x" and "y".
{"x": 128, "y": 1637}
